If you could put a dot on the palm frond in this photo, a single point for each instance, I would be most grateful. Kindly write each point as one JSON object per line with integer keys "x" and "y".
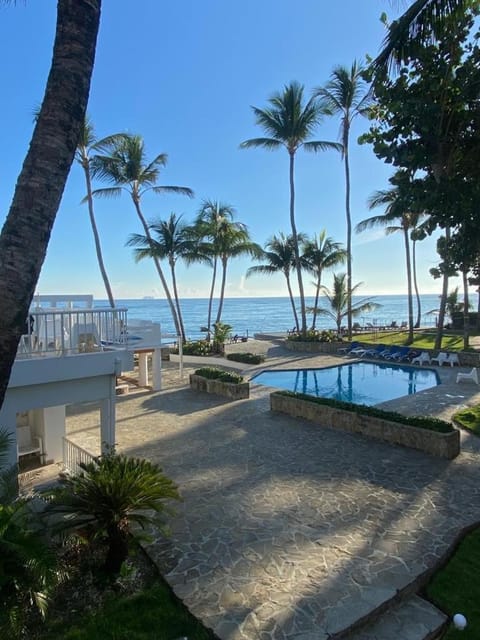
{"x": 185, "y": 191}
{"x": 267, "y": 143}
{"x": 106, "y": 192}
{"x": 322, "y": 145}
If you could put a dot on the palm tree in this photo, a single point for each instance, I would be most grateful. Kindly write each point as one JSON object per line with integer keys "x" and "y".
{"x": 110, "y": 495}
{"x": 172, "y": 241}
{"x": 86, "y": 145}
{"x": 279, "y": 257}
{"x": 211, "y": 217}
{"x": 338, "y": 299}
{"x": 416, "y": 24}
{"x": 395, "y": 219}
{"x": 290, "y": 123}
{"x": 346, "y": 94}
{"x": 321, "y": 253}
{"x": 44, "y": 172}
{"x": 122, "y": 162}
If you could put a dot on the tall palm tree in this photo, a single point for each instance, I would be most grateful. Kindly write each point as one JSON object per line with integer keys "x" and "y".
{"x": 123, "y": 163}
{"x": 346, "y": 94}
{"x": 211, "y": 217}
{"x": 319, "y": 254}
{"x": 395, "y": 219}
{"x": 170, "y": 240}
{"x": 45, "y": 170}
{"x": 86, "y": 145}
{"x": 279, "y": 257}
{"x": 290, "y": 123}
{"x": 338, "y": 299}
{"x": 416, "y": 24}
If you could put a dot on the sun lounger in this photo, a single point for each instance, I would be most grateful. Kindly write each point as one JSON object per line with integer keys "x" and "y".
{"x": 471, "y": 376}
{"x": 375, "y": 351}
{"x": 349, "y": 348}
{"x": 400, "y": 354}
{"x": 423, "y": 358}
{"x": 440, "y": 359}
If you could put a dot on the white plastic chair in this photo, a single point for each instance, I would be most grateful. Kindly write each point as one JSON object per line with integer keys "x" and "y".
{"x": 423, "y": 358}
{"x": 441, "y": 359}
{"x": 453, "y": 359}
{"x": 472, "y": 376}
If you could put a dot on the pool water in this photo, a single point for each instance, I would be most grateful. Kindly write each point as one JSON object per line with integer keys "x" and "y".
{"x": 358, "y": 382}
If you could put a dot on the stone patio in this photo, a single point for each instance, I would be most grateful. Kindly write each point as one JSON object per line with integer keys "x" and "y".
{"x": 291, "y": 531}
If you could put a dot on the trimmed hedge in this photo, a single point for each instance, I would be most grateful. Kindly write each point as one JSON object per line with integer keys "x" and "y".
{"x": 313, "y": 335}
{"x": 212, "y": 373}
{"x": 423, "y": 422}
{"x": 247, "y": 358}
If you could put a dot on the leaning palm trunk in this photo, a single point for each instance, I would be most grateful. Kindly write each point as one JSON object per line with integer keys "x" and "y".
{"x": 96, "y": 236}
{"x": 315, "y": 308}
{"x": 415, "y": 284}
{"x": 210, "y": 301}
{"x": 159, "y": 269}
{"x": 292, "y": 301}
{"x": 298, "y": 265}
{"x": 409, "y": 285}
{"x": 177, "y": 300}
{"x": 222, "y": 290}
{"x": 349, "y": 233}
{"x": 466, "y": 307}
{"x": 443, "y": 299}
{"x": 45, "y": 170}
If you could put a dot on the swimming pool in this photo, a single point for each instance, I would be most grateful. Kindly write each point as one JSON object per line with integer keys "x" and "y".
{"x": 358, "y": 382}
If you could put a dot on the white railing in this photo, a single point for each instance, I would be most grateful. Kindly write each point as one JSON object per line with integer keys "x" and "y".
{"x": 73, "y": 456}
{"x": 63, "y": 332}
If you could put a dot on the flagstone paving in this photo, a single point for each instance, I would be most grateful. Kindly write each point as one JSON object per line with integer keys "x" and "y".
{"x": 289, "y": 530}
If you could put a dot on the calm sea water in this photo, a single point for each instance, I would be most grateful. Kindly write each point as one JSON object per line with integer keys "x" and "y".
{"x": 257, "y": 315}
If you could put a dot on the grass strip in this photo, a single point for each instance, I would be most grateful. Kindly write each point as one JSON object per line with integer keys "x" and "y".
{"x": 469, "y": 418}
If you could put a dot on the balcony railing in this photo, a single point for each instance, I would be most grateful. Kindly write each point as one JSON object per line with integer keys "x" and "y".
{"x": 74, "y": 456}
{"x": 63, "y": 332}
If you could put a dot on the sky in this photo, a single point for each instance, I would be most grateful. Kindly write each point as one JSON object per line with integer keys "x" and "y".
{"x": 184, "y": 75}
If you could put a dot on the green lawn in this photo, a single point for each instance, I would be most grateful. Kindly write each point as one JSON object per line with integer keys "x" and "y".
{"x": 469, "y": 419}
{"x": 456, "y": 588}
{"x": 154, "y": 613}
{"x": 421, "y": 339}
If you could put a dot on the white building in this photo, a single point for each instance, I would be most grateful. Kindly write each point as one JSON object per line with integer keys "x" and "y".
{"x": 71, "y": 353}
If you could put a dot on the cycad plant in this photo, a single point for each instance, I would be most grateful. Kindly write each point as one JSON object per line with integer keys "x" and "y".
{"x": 108, "y": 497}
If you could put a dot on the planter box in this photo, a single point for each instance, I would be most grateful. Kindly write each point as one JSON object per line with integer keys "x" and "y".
{"x": 444, "y": 445}
{"x": 314, "y": 347}
{"x": 226, "y": 389}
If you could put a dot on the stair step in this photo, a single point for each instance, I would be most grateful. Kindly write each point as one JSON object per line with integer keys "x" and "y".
{"x": 412, "y": 619}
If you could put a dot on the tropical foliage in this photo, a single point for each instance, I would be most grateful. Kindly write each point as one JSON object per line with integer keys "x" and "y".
{"x": 108, "y": 497}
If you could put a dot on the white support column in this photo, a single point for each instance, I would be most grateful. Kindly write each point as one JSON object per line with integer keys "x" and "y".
{"x": 107, "y": 420}
{"x": 49, "y": 424}
{"x": 157, "y": 369}
{"x": 143, "y": 369}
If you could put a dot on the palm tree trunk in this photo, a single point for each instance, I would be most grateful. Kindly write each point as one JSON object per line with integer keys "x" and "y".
{"x": 96, "y": 236}
{"x": 159, "y": 268}
{"x": 45, "y": 170}
{"x": 443, "y": 299}
{"x": 317, "y": 295}
{"x": 117, "y": 550}
{"x": 222, "y": 289}
{"x": 210, "y": 301}
{"x": 296, "y": 250}
{"x": 290, "y": 293}
{"x": 349, "y": 233}
{"x": 466, "y": 306}
{"x": 409, "y": 284}
{"x": 177, "y": 300}
{"x": 415, "y": 284}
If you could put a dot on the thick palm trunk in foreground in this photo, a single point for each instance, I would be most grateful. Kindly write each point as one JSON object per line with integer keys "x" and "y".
{"x": 26, "y": 232}
{"x": 296, "y": 249}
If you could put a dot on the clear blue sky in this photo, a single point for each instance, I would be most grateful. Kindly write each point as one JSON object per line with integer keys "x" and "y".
{"x": 183, "y": 74}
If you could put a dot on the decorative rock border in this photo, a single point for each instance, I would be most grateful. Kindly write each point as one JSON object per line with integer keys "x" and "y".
{"x": 234, "y": 391}
{"x": 314, "y": 347}
{"x": 444, "y": 445}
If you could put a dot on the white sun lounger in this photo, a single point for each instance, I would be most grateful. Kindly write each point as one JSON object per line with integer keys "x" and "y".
{"x": 423, "y": 358}
{"x": 471, "y": 376}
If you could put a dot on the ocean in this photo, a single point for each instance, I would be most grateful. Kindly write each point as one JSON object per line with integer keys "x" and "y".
{"x": 257, "y": 315}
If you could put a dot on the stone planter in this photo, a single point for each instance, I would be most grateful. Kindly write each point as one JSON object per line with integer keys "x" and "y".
{"x": 314, "y": 347}
{"x": 226, "y": 389}
{"x": 444, "y": 445}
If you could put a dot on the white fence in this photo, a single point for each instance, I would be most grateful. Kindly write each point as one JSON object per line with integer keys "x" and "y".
{"x": 73, "y": 455}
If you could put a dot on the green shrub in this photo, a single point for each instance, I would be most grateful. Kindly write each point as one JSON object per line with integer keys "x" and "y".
{"x": 313, "y": 335}
{"x": 196, "y": 348}
{"x": 424, "y": 422}
{"x": 248, "y": 358}
{"x": 212, "y": 373}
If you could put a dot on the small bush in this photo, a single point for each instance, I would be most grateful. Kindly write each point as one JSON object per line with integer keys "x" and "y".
{"x": 313, "y": 335}
{"x": 424, "y": 422}
{"x": 212, "y": 373}
{"x": 248, "y": 358}
{"x": 196, "y": 348}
